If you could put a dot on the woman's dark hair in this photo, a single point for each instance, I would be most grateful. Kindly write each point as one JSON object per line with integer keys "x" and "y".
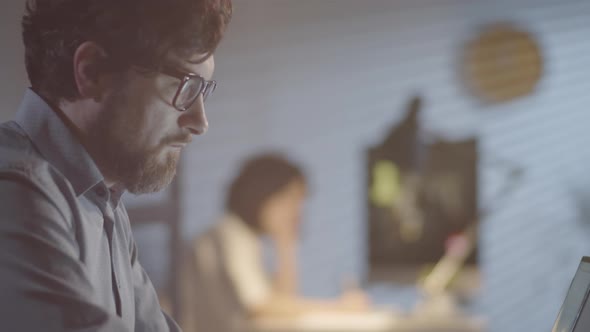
{"x": 258, "y": 180}
{"x": 132, "y": 32}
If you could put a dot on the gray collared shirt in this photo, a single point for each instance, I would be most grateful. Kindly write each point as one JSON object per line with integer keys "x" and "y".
{"x": 68, "y": 261}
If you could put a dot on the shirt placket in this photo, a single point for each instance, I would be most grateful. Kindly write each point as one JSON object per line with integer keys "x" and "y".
{"x": 109, "y": 227}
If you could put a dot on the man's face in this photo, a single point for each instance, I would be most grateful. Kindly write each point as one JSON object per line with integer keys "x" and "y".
{"x": 139, "y": 134}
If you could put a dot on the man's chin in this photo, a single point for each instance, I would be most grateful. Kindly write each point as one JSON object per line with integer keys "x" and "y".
{"x": 155, "y": 176}
{"x": 151, "y": 184}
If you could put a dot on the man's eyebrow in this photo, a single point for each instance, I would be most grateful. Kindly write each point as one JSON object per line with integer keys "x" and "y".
{"x": 200, "y": 74}
{"x": 198, "y": 60}
{"x": 207, "y": 77}
{"x": 182, "y": 68}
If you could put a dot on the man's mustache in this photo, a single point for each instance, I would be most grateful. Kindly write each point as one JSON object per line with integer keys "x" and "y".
{"x": 177, "y": 139}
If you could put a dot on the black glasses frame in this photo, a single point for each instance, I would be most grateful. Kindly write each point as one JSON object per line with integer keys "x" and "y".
{"x": 205, "y": 87}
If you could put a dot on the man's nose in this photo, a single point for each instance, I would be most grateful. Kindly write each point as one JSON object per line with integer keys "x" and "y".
{"x": 194, "y": 118}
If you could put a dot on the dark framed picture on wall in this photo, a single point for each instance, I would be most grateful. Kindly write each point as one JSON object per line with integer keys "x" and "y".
{"x": 422, "y": 205}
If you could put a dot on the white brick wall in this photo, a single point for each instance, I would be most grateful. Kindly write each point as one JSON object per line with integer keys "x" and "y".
{"x": 322, "y": 80}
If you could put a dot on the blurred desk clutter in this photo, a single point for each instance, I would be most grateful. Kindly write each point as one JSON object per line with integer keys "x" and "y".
{"x": 373, "y": 321}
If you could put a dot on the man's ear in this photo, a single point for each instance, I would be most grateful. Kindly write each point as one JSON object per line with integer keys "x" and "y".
{"x": 89, "y": 60}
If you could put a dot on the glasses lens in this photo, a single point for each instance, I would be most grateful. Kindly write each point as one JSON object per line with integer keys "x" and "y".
{"x": 209, "y": 89}
{"x": 189, "y": 92}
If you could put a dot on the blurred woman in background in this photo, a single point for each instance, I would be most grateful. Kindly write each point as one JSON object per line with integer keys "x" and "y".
{"x": 232, "y": 286}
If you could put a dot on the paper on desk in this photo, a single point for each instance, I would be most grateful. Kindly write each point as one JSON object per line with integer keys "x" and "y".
{"x": 368, "y": 321}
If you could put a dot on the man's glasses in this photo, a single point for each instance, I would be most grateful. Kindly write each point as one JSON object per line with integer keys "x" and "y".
{"x": 191, "y": 86}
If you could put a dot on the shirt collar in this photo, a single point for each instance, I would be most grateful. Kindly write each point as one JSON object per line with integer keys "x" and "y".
{"x": 57, "y": 143}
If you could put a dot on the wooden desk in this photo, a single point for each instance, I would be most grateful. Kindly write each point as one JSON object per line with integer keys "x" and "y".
{"x": 370, "y": 322}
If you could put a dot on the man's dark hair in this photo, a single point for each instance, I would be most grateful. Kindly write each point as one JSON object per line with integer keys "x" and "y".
{"x": 132, "y": 32}
{"x": 259, "y": 179}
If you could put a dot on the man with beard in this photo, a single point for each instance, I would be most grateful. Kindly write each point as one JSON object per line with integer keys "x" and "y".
{"x": 117, "y": 91}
